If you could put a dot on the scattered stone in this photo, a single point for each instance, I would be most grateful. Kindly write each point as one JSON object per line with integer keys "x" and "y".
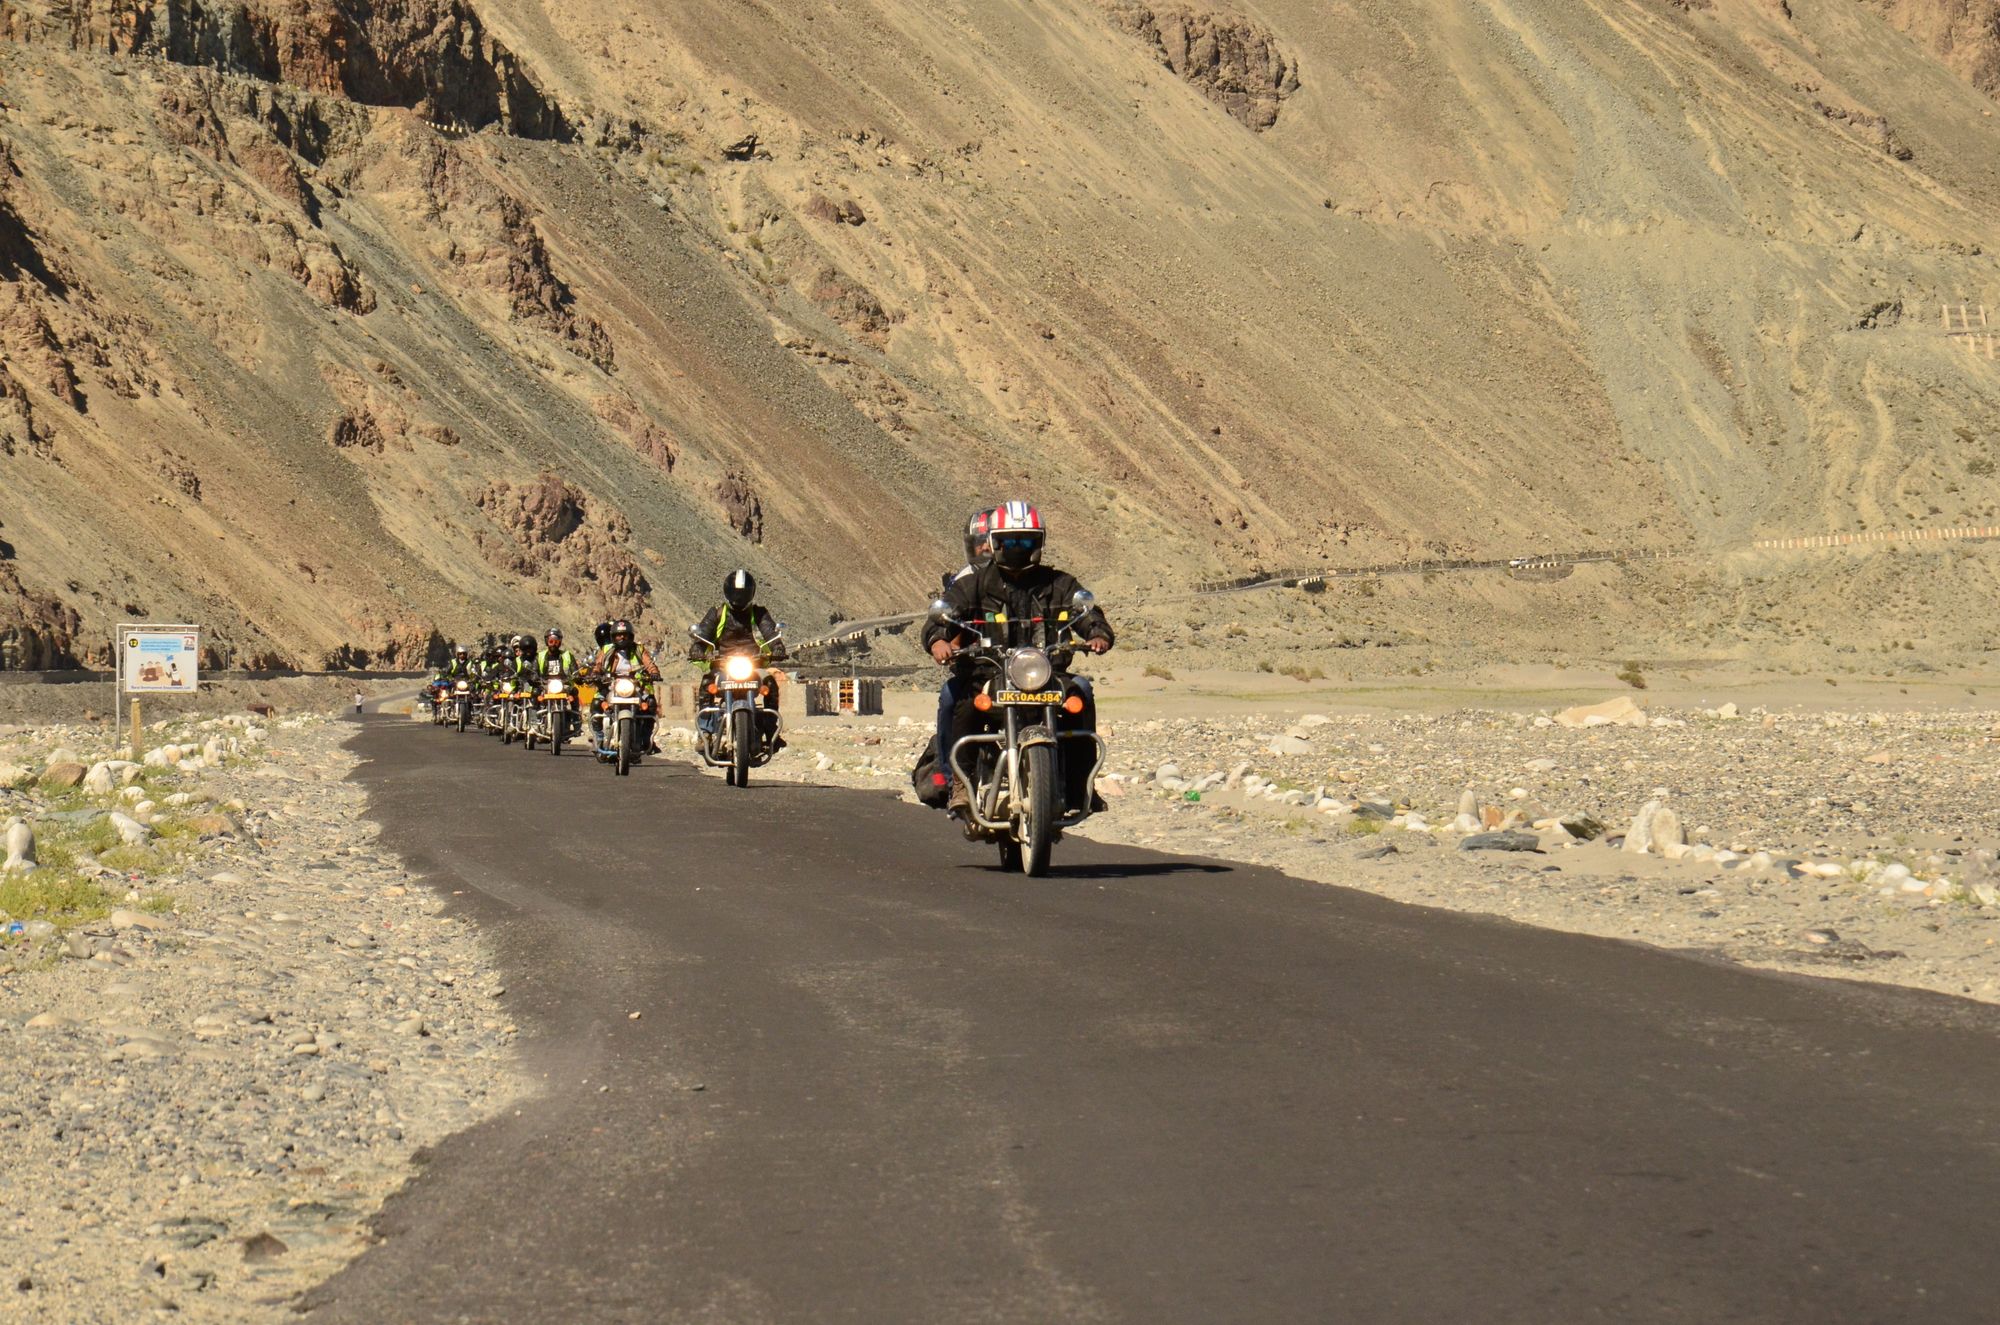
{"x": 64, "y": 775}
{"x": 263, "y": 1247}
{"x": 98, "y": 781}
{"x": 20, "y": 843}
{"x": 130, "y": 831}
{"x": 1507, "y": 840}
{"x": 1582, "y": 827}
{"x": 124, "y": 920}
{"x": 1623, "y": 711}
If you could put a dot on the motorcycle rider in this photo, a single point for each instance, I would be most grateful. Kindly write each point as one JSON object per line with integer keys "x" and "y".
{"x": 1013, "y": 591}
{"x": 460, "y": 664}
{"x": 935, "y": 787}
{"x": 739, "y": 624}
{"x": 552, "y": 647}
{"x": 623, "y": 643}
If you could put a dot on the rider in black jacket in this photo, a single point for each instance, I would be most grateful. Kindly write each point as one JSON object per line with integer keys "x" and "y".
{"x": 741, "y": 624}
{"x": 1020, "y": 602}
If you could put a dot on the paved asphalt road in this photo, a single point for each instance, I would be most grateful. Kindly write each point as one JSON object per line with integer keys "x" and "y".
{"x": 879, "y": 1081}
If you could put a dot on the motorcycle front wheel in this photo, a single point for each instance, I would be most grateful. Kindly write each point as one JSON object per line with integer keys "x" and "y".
{"x": 742, "y": 734}
{"x": 1038, "y": 815}
{"x": 625, "y": 739}
{"x": 464, "y": 713}
{"x": 558, "y": 728}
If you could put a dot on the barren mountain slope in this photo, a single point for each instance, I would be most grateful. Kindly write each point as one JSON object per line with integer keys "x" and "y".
{"x": 334, "y": 324}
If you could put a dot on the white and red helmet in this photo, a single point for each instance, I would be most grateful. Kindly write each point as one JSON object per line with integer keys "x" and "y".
{"x": 1017, "y": 534}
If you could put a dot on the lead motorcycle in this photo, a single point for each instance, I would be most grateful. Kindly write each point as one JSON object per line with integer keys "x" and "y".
{"x": 734, "y": 731}
{"x": 1019, "y": 767}
{"x": 461, "y": 701}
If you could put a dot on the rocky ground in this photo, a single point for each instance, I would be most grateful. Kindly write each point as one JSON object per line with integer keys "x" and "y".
{"x": 1790, "y": 833}
{"x": 89, "y": 703}
{"x": 228, "y": 1025}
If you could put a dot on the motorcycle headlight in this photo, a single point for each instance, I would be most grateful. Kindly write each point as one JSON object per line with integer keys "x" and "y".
{"x": 738, "y": 668}
{"x": 624, "y": 687}
{"x": 462, "y": 687}
{"x": 1029, "y": 669}
{"x": 555, "y": 685}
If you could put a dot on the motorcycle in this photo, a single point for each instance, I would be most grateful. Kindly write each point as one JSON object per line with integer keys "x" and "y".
{"x": 555, "y": 711}
{"x": 461, "y": 701}
{"x": 523, "y": 714}
{"x": 1017, "y": 771}
{"x": 622, "y": 702}
{"x": 438, "y": 693}
{"x": 736, "y": 733}
{"x": 500, "y": 713}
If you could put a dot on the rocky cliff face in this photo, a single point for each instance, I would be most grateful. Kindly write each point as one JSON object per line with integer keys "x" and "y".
{"x": 348, "y": 326}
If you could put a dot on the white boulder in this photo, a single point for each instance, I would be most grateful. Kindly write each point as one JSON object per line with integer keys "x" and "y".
{"x": 130, "y": 831}
{"x": 20, "y": 847}
{"x": 1622, "y": 711}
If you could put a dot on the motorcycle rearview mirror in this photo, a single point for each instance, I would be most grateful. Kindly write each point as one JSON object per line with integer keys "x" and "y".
{"x": 694, "y": 633}
{"x": 1082, "y": 601}
{"x": 940, "y": 610}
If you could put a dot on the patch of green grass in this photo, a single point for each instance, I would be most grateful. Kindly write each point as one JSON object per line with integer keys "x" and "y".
{"x": 159, "y": 904}
{"x": 1264, "y": 665}
{"x": 1632, "y": 676}
{"x": 1362, "y": 826}
{"x": 1154, "y": 669}
{"x": 57, "y": 895}
{"x": 1305, "y": 674}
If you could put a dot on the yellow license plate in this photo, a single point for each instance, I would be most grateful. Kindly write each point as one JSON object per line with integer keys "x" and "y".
{"x": 1028, "y": 697}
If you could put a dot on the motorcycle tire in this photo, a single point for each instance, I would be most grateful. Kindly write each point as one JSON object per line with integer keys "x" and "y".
{"x": 743, "y": 744}
{"x": 1043, "y": 808}
{"x": 625, "y": 742}
{"x": 558, "y": 728}
{"x": 464, "y": 713}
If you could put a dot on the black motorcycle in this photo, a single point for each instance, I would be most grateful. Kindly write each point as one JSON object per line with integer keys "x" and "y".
{"x": 1018, "y": 769}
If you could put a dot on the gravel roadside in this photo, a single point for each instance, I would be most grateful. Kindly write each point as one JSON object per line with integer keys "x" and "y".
{"x": 206, "y": 1094}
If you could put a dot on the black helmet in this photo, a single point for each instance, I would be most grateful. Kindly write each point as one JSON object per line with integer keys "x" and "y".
{"x": 621, "y": 631}
{"x": 978, "y": 528}
{"x": 603, "y": 633}
{"x": 739, "y": 589}
{"x": 552, "y": 636}
{"x": 521, "y": 644}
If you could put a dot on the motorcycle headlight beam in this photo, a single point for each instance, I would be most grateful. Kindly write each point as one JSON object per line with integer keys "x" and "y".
{"x": 738, "y": 668}
{"x": 624, "y": 687}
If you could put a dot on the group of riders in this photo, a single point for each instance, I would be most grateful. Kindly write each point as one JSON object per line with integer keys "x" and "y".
{"x": 1005, "y": 629}
{"x": 546, "y": 693}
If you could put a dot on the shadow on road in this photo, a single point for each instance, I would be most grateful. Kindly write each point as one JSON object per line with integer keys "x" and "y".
{"x": 1138, "y": 869}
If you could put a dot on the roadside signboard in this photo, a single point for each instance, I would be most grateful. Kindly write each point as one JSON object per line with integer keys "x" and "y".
{"x": 159, "y": 659}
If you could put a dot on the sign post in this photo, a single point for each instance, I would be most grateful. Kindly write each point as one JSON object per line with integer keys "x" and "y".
{"x": 157, "y": 659}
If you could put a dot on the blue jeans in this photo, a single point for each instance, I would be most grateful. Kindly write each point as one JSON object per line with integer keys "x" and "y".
{"x": 954, "y": 689}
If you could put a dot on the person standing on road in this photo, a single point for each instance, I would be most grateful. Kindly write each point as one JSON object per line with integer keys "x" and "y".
{"x": 357, "y": 703}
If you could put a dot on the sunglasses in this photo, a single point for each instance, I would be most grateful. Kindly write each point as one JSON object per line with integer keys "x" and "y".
{"x": 1016, "y": 540}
